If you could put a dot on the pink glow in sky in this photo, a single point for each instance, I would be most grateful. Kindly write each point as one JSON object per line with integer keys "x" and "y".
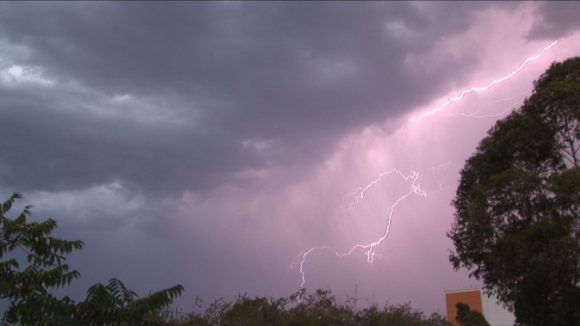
{"x": 413, "y": 265}
{"x": 413, "y": 262}
{"x": 413, "y": 179}
{"x": 215, "y": 149}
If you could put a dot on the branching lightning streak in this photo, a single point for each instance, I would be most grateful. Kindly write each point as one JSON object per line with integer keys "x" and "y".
{"x": 359, "y": 193}
{"x": 492, "y": 83}
{"x": 484, "y": 116}
{"x": 415, "y": 188}
{"x": 476, "y": 114}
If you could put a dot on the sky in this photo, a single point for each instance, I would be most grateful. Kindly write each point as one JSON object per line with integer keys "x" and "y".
{"x": 213, "y": 144}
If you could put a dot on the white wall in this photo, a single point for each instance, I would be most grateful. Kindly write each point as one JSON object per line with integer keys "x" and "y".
{"x": 495, "y": 313}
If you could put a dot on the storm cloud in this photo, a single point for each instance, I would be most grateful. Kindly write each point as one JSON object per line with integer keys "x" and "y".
{"x": 221, "y": 87}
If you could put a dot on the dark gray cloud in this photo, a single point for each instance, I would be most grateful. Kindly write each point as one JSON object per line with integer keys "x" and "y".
{"x": 295, "y": 76}
{"x": 54, "y": 150}
{"x": 555, "y": 19}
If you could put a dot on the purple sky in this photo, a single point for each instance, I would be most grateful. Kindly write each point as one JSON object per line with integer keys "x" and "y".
{"x": 209, "y": 144}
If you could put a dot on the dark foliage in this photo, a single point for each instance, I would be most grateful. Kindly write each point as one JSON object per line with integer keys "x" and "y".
{"x": 468, "y": 317}
{"x": 316, "y": 309}
{"x": 32, "y": 262}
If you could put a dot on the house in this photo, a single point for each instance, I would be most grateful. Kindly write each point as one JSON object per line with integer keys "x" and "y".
{"x": 493, "y": 311}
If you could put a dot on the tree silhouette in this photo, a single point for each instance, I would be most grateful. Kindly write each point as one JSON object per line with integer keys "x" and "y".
{"x": 517, "y": 224}
{"x": 32, "y": 262}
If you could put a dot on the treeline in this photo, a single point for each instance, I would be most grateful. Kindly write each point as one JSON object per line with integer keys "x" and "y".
{"x": 318, "y": 308}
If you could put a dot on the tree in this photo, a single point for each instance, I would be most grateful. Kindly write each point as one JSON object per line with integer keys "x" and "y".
{"x": 27, "y": 287}
{"x": 32, "y": 262}
{"x": 468, "y": 317}
{"x": 517, "y": 207}
{"x": 114, "y": 304}
{"x": 247, "y": 311}
{"x": 400, "y": 315}
{"x": 316, "y": 309}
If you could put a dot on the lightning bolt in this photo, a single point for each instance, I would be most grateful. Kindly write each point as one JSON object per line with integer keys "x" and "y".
{"x": 492, "y": 83}
{"x": 358, "y": 196}
{"x": 415, "y": 189}
{"x": 477, "y": 115}
{"x": 359, "y": 193}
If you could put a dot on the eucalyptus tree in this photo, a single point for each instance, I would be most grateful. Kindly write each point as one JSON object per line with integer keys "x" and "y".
{"x": 517, "y": 207}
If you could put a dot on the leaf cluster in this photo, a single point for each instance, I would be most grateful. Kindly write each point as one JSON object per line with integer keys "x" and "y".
{"x": 32, "y": 262}
{"x": 468, "y": 317}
